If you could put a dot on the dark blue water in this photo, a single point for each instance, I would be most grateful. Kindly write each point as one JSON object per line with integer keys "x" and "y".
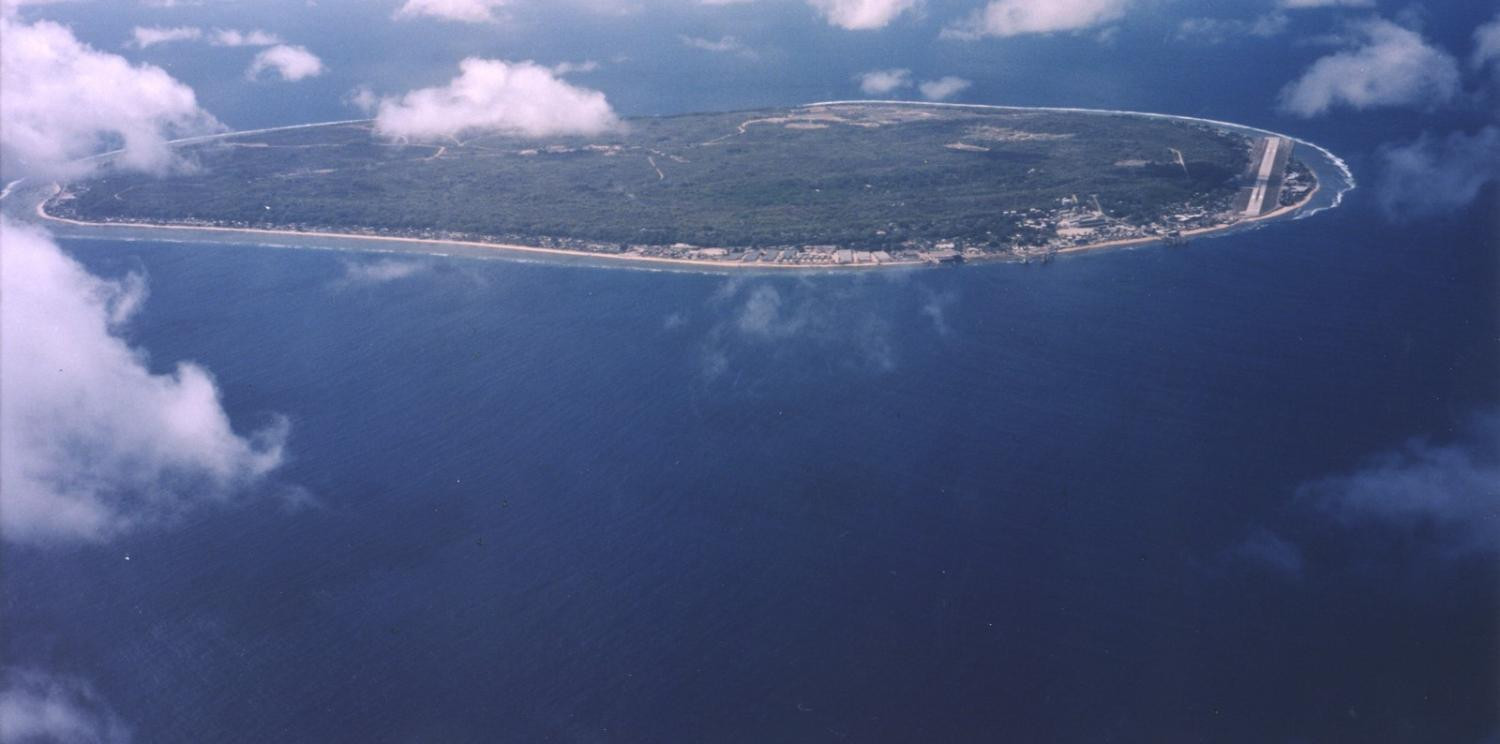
{"x": 1062, "y": 503}
{"x": 997, "y": 503}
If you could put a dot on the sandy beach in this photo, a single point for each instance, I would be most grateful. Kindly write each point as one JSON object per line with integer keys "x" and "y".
{"x": 638, "y": 259}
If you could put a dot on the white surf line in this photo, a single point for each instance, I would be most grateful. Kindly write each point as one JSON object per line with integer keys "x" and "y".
{"x": 1337, "y": 161}
{"x": 241, "y": 132}
{"x": 200, "y": 138}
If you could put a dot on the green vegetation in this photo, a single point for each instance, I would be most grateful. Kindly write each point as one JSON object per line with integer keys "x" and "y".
{"x": 863, "y": 176}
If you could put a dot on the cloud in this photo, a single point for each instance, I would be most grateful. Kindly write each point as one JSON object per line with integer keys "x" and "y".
{"x": 521, "y": 98}
{"x": 228, "y": 37}
{"x": 1448, "y": 492}
{"x": 861, "y": 15}
{"x": 884, "y": 82}
{"x": 363, "y": 98}
{"x": 1434, "y": 175}
{"x": 1486, "y": 44}
{"x": 936, "y": 309}
{"x": 380, "y": 272}
{"x": 568, "y": 68}
{"x": 1017, "y": 17}
{"x": 462, "y": 11}
{"x": 64, "y": 100}
{"x": 763, "y": 317}
{"x": 290, "y": 63}
{"x": 767, "y": 321}
{"x": 1217, "y": 30}
{"x": 943, "y": 88}
{"x": 1436, "y": 498}
{"x": 146, "y": 36}
{"x": 1388, "y": 66}
{"x": 39, "y": 707}
{"x": 1269, "y": 550}
{"x": 92, "y": 442}
{"x": 723, "y": 45}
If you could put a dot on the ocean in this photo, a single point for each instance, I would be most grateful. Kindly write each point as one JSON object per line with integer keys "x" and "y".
{"x": 1119, "y": 497}
{"x": 1062, "y": 502}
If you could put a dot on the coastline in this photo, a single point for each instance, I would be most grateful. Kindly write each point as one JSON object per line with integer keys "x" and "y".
{"x": 41, "y": 213}
{"x": 531, "y": 249}
{"x": 1136, "y": 242}
{"x": 1339, "y": 163}
{"x": 1274, "y": 214}
{"x": 623, "y": 259}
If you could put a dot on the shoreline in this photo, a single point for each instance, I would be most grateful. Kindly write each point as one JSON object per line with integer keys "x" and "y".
{"x": 1274, "y": 214}
{"x": 42, "y": 214}
{"x": 1338, "y": 162}
{"x": 622, "y": 259}
{"x": 1280, "y": 212}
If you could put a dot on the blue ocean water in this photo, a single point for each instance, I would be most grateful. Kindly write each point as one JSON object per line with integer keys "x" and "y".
{"x": 1062, "y": 503}
{"x": 531, "y": 502}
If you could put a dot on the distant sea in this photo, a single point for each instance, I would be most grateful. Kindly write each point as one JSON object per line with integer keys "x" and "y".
{"x": 1022, "y": 503}
{"x": 1073, "y": 502}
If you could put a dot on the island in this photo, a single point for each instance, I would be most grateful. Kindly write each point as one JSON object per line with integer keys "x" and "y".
{"x": 843, "y": 184}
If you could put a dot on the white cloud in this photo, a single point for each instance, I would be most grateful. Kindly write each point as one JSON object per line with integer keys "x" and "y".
{"x": 722, "y": 45}
{"x": 1017, "y": 17}
{"x": 763, "y": 317}
{"x": 862, "y": 15}
{"x": 92, "y": 442}
{"x": 1216, "y": 30}
{"x": 45, "y": 127}
{"x": 39, "y": 707}
{"x": 1435, "y": 175}
{"x": 379, "y": 272}
{"x": 228, "y": 37}
{"x": 757, "y": 321}
{"x": 884, "y": 82}
{"x": 521, "y": 98}
{"x": 936, "y": 309}
{"x": 291, "y": 63}
{"x": 145, "y": 36}
{"x": 1388, "y": 66}
{"x": 1486, "y": 44}
{"x": 943, "y": 88}
{"x": 1449, "y": 491}
{"x": 568, "y": 68}
{"x": 463, "y": 11}
{"x": 363, "y": 98}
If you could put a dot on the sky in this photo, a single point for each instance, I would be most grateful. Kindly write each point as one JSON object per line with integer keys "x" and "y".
{"x": 114, "y": 442}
